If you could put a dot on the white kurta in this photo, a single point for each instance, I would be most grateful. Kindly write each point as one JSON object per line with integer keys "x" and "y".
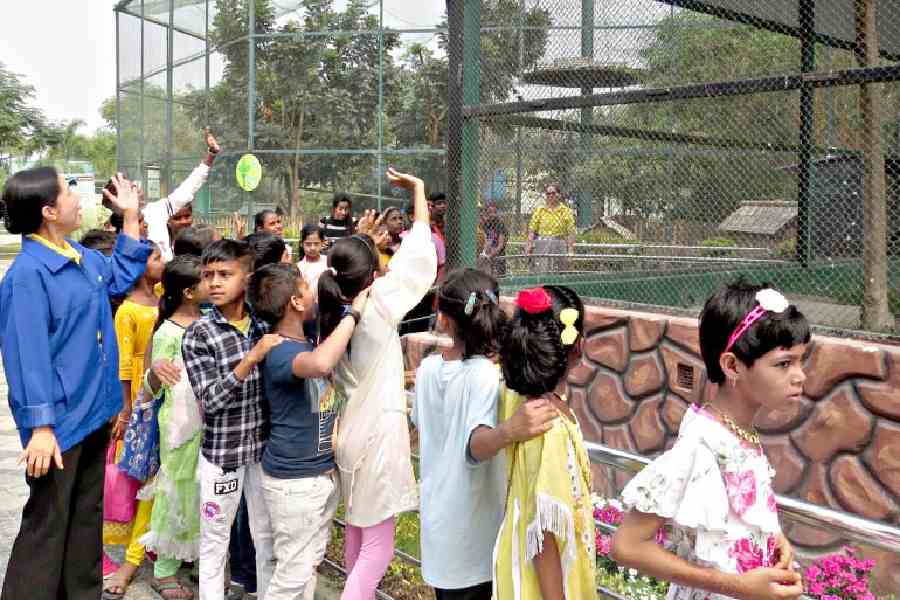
{"x": 372, "y": 437}
{"x": 156, "y": 214}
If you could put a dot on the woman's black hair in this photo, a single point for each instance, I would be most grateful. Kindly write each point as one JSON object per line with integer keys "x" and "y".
{"x": 532, "y": 354}
{"x": 180, "y": 274}
{"x": 725, "y": 310}
{"x": 354, "y": 260}
{"x": 268, "y": 248}
{"x": 26, "y": 194}
{"x": 309, "y": 229}
{"x": 480, "y": 330}
{"x": 193, "y": 240}
{"x": 260, "y": 218}
{"x": 100, "y": 240}
{"x": 271, "y": 288}
{"x": 343, "y": 197}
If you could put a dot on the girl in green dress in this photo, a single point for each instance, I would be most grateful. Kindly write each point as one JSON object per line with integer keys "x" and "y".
{"x": 175, "y": 523}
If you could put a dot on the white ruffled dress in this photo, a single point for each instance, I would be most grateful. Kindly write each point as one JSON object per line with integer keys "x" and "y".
{"x": 716, "y": 493}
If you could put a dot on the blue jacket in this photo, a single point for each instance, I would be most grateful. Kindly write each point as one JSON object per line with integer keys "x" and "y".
{"x": 57, "y": 337}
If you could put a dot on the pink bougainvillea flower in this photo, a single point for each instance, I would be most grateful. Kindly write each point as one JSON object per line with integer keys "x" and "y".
{"x": 771, "y": 504}
{"x": 741, "y": 488}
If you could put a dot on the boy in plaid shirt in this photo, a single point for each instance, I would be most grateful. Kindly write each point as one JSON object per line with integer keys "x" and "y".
{"x": 221, "y": 352}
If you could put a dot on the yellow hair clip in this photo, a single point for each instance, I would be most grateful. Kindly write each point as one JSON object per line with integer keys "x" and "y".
{"x": 568, "y": 316}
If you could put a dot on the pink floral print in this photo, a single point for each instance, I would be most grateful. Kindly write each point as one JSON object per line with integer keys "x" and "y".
{"x": 741, "y": 488}
{"x": 747, "y": 555}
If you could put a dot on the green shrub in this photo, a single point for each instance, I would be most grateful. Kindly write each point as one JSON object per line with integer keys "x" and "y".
{"x": 720, "y": 242}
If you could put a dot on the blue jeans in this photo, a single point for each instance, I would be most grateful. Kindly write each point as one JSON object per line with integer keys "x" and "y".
{"x": 241, "y": 552}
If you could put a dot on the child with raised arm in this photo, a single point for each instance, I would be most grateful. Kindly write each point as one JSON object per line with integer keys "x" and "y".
{"x": 545, "y": 548}
{"x": 221, "y": 353}
{"x": 713, "y": 489}
{"x": 175, "y": 520}
{"x": 300, "y": 484}
{"x": 372, "y": 449}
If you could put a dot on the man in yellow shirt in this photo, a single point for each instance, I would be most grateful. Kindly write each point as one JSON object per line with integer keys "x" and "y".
{"x": 551, "y": 231}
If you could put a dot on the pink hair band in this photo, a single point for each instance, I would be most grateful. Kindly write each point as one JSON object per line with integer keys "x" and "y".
{"x": 752, "y": 317}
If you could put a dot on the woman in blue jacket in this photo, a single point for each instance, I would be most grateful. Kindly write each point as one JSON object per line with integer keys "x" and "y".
{"x": 60, "y": 357}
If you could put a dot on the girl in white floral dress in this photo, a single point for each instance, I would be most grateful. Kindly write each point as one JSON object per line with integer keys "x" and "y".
{"x": 713, "y": 489}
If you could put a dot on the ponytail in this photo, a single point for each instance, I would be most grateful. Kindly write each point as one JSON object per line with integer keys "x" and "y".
{"x": 353, "y": 261}
{"x": 470, "y": 298}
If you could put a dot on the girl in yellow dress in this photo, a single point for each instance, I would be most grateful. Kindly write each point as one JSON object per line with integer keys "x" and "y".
{"x": 545, "y": 547}
{"x": 134, "y": 323}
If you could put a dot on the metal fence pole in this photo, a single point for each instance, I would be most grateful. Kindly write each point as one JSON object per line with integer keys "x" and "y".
{"x": 170, "y": 100}
{"x": 471, "y": 94}
{"x": 251, "y": 91}
{"x": 454, "y": 112}
{"x": 807, "y": 19}
{"x": 585, "y": 201}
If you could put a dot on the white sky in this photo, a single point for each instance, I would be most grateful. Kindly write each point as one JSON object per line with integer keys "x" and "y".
{"x": 66, "y": 49}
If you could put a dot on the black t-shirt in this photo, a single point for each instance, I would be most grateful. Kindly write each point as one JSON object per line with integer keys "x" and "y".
{"x": 302, "y": 417}
{"x": 493, "y": 229}
{"x": 335, "y": 230}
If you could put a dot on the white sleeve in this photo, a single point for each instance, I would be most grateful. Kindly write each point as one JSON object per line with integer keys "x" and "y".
{"x": 413, "y": 270}
{"x": 483, "y": 390}
{"x": 184, "y": 193}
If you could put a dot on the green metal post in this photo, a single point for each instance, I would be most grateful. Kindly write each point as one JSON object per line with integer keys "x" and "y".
{"x": 380, "y": 174}
{"x": 585, "y": 200}
{"x": 251, "y": 91}
{"x": 471, "y": 94}
{"x": 168, "y": 170}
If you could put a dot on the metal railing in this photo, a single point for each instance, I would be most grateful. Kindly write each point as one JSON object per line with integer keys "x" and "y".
{"x": 848, "y": 526}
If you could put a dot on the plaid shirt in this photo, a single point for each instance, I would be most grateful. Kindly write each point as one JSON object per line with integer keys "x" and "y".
{"x": 235, "y": 417}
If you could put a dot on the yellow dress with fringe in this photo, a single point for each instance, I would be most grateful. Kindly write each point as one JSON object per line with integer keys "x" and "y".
{"x": 549, "y": 493}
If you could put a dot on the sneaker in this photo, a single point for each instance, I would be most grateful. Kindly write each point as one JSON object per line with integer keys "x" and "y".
{"x": 235, "y": 591}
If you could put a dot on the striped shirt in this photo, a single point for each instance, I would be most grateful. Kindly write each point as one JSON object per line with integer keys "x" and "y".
{"x": 334, "y": 229}
{"x": 235, "y": 417}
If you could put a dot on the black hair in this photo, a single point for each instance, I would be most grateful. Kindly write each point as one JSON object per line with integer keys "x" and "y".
{"x": 725, "y": 310}
{"x": 271, "y": 288}
{"x": 180, "y": 274}
{"x": 435, "y": 196}
{"x": 480, "y": 330}
{"x": 354, "y": 260}
{"x": 117, "y": 220}
{"x": 268, "y": 248}
{"x": 532, "y": 354}
{"x": 343, "y": 197}
{"x": 193, "y": 240}
{"x": 309, "y": 229}
{"x": 228, "y": 250}
{"x": 260, "y": 219}
{"x": 26, "y": 194}
{"x": 98, "y": 239}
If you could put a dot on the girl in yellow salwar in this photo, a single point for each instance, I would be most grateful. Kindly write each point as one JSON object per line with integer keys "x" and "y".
{"x": 545, "y": 547}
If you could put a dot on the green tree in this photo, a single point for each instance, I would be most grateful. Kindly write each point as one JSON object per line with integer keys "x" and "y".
{"x": 23, "y": 128}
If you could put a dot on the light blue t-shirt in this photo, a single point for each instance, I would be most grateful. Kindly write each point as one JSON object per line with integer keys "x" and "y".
{"x": 462, "y": 503}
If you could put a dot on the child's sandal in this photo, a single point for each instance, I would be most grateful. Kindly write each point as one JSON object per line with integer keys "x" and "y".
{"x": 171, "y": 590}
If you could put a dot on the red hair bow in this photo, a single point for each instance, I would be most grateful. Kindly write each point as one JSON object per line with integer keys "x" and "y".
{"x": 534, "y": 301}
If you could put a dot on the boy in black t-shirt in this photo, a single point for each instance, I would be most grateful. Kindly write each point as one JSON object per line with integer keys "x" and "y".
{"x": 299, "y": 480}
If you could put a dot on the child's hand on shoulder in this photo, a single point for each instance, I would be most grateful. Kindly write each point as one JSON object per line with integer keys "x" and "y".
{"x": 166, "y": 371}
{"x": 264, "y": 345}
{"x": 359, "y": 303}
{"x": 765, "y": 584}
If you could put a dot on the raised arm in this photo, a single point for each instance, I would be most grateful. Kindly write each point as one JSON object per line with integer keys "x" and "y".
{"x": 129, "y": 257}
{"x": 321, "y": 361}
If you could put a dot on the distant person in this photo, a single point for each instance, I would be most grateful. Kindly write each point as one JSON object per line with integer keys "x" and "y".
{"x": 268, "y": 221}
{"x": 268, "y": 249}
{"x": 98, "y": 239}
{"x": 313, "y": 264}
{"x": 495, "y": 236}
{"x": 340, "y": 223}
{"x": 437, "y": 204}
{"x": 551, "y": 231}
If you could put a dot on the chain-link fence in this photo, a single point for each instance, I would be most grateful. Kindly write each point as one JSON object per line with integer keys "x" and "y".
{"x": 327, "y": 94}
{"x": 655, "y": 149}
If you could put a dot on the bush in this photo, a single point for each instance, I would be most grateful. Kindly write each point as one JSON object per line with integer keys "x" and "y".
{"x": 713, "y": 243}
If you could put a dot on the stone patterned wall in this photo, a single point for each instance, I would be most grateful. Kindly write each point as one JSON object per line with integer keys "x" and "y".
{"x": 838, "y": 447}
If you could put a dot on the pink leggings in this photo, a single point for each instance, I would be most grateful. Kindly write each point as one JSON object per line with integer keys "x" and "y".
{"x": 367, "y": 553}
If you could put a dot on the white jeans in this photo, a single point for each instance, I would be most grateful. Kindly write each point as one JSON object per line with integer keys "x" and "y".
{"x": 220, "y": 494}
{"x": 301, "y": 510}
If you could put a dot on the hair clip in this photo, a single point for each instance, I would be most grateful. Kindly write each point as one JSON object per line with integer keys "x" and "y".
{"x": 568, "y": 316}
{"x": 470, "y": 305}
{"x": 491, "y": 296}
{"x": 534, "y": 301}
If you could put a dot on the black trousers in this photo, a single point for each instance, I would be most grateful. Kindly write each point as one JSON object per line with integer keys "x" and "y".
{"x": 482, "y": 591}
{"x": 57, "y": 553}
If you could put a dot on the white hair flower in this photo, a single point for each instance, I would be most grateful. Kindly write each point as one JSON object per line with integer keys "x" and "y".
{"x": 772, "y": 300}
